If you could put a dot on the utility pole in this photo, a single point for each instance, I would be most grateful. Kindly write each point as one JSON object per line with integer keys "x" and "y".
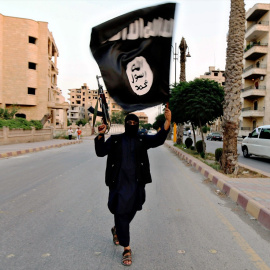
{"x": 175, "y": 59}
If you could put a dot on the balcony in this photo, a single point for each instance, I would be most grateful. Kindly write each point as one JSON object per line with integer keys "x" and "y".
{"x": 256, "y": 30}
{"x": 253, "y": 92}
{"x": 74, "y": 110}
{"x": 247, "y": 128}
{"x": 255, "y": 51}
{"x": 250, "y": 112}
{"x": 53, "y": 67}
{"x": 256, "y": 12}
{"x": 254, "y": 71}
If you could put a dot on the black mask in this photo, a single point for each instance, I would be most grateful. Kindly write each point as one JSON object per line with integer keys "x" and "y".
{"x": 131, "y": 130}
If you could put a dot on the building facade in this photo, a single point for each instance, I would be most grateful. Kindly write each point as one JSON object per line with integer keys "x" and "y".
{"x": 255, "y": 95}
{"x": 143, "y": 118}
{"x": 215, "y": 75}
{"x": 82, "y": 98}
{"x": 28, "y": 71}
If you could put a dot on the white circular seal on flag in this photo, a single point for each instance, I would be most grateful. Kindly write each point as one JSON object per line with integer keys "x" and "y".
{"x": 140, "y": 75}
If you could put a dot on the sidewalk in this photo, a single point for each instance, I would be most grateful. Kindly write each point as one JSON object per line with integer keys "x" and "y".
{"x": 253, "y": 194}
{"x": 12, "y": 150}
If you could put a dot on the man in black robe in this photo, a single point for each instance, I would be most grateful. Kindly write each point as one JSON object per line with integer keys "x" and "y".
{"x": 127, "y": 172}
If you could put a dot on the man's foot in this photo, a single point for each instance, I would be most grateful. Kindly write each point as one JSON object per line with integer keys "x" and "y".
{"x": 127, "y": 259}
{"x": 115, "y": 238}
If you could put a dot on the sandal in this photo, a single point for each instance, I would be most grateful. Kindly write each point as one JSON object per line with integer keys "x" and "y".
{"x": 115, "y": 238}
{"x": 126, "y": 258}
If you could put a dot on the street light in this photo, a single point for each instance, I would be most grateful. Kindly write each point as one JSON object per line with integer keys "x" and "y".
{"x": 175, "y": 54}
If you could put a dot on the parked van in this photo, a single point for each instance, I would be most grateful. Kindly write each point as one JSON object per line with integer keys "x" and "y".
{"x": 257, "y": 143}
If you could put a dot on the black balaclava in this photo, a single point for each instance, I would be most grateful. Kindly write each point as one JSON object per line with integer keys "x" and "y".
{"x": 131, "y": 130}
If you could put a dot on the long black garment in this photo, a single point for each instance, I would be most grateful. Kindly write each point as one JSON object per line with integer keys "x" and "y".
{"x": 128, "y": 195}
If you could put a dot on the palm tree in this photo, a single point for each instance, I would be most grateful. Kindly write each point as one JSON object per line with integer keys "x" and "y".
{"x": 233, "y": 85}
{"x": 183, "y": 48}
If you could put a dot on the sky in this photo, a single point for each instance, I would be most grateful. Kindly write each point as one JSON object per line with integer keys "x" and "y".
{"x": 203, "y": 24}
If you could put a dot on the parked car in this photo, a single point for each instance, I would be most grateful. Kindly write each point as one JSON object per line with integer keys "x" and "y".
{"x": 151, "y": 132}
{"x": 214, "y": 136}
{"x": 257, "y": 143}
{"x": 142, "y": 131}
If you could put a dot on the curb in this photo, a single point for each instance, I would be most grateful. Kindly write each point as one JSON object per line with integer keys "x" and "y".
{"x": 35, "y": 149}
{"x": 255, "y": 209}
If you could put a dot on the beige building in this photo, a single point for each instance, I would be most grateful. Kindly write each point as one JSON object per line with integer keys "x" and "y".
{"x": 82, "y": 98}
{"x": 75, "y": 113}
{"x": 143, "y": 118}
{"x": 215, "y": 75}
{"x": 28, "y": 71}
{"x": 255, "y": 96}
{"x": 218, "y": 76}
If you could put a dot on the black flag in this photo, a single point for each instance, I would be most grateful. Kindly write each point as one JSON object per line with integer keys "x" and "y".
{"x": 133, "y": 52}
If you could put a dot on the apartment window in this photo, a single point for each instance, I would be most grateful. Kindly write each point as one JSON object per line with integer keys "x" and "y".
{"x": 215, "y": 73}
{"x": 20, "y": 115}
{"x": 32, "y": 65}
{"x": 89, "y": 97}
{"x": 32, "y": 40}
{"x": 223, "y": 83}
{"x": 83, "y": 99}
{"x": 31, "y": 91}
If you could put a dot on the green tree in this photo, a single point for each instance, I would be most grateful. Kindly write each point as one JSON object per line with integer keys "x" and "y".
{"x": 82, "y": 122}
{"x": 118, "y": 118}
{"x": 199, "y": 102}
{"x": 8, "y": 113}
{"x": 160, "y": 120}
{"x": 146, "y": 125}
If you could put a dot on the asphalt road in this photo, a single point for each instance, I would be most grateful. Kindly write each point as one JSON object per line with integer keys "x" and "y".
{"x": 255, "y": 162}
{"x": 53, "y": 216}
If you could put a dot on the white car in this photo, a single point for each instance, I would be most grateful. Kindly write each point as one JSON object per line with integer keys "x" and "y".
{"x": 257, "y": 143}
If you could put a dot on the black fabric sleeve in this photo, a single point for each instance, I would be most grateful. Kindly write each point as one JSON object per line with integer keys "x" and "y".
{"x": 102, "y": 148}
{"x": 156, "y": 140}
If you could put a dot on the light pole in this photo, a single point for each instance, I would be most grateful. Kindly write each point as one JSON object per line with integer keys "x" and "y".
{"x": 175, "y": 54}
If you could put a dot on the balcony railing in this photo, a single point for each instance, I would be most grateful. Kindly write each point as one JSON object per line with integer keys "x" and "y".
{"x": 260, "y": 109}
{"x": 260, "y": 87}
{"x": 255, "y": 44}
{"x": 254, "y": 66}
{"x": 246, "y": 128}
{"x": 261, "y": 22}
